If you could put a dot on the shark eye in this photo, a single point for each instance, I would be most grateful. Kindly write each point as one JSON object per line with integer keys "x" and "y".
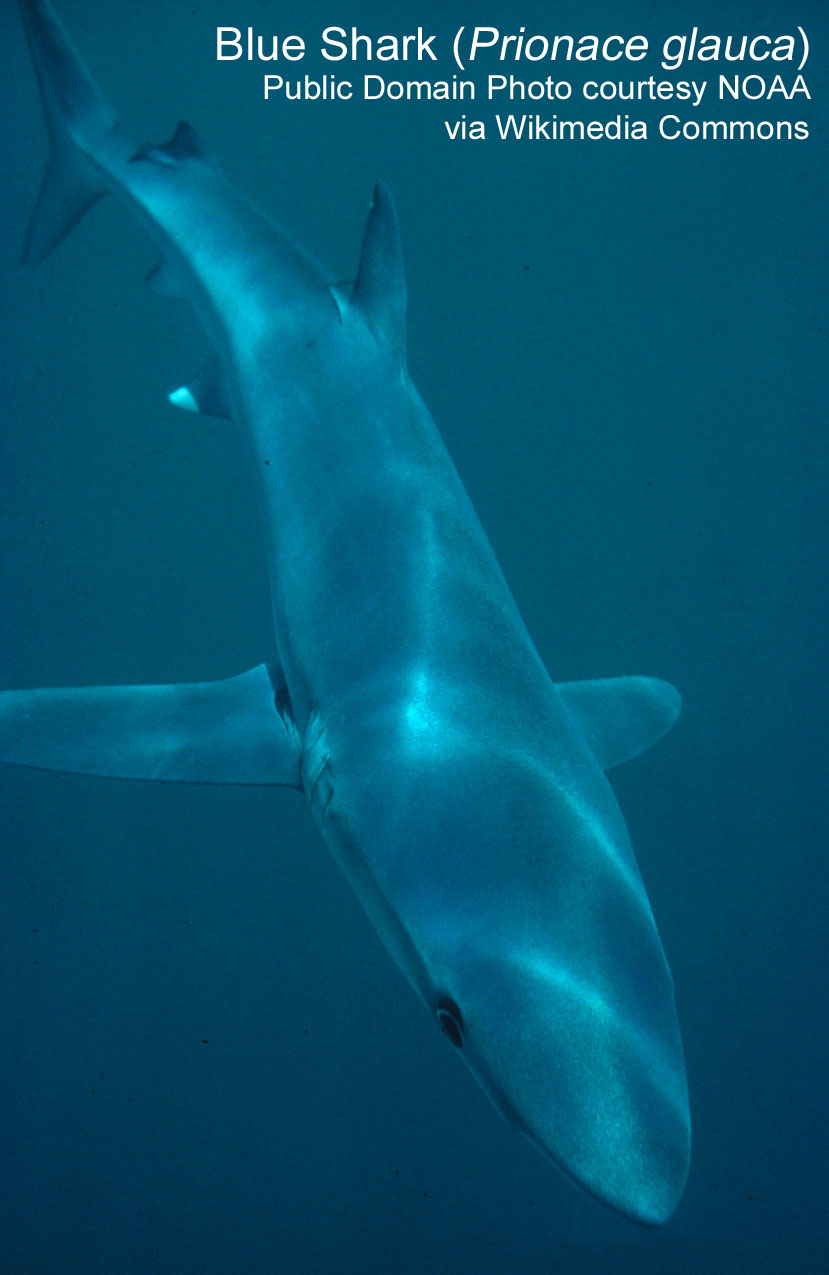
{"x": 451, "y": 1022}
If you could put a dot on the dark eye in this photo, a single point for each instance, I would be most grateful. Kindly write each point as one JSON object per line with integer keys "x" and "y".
{"x": 451, "y": 1022}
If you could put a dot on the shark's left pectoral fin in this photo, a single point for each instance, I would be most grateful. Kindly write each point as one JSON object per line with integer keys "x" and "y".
{"x": 236, "y": 731}
{"x": 621, "y": 716}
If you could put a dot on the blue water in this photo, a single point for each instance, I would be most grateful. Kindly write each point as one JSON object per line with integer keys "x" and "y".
{"x": 208, "y": 1062}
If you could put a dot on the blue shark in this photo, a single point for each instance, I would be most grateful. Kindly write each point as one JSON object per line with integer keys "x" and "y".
{"x": 462, "y": 792}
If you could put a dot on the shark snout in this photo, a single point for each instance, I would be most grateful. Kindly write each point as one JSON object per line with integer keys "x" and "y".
{"x": 601, "y": 1093}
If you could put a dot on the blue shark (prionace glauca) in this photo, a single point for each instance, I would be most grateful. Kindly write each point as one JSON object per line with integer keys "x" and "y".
{"x": 461, "y": 791}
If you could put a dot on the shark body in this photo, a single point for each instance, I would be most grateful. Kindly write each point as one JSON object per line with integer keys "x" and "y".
{"x": 462, "y": 792}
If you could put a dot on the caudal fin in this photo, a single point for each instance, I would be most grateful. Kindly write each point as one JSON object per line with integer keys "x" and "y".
{"x": 76, "y": 116}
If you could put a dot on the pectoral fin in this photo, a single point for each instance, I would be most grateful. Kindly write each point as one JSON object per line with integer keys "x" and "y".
{"x": 622, "y": 716}
{"x": 236, "y": 731}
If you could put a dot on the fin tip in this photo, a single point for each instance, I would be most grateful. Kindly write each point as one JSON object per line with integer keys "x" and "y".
{"x": 183, "y": 399}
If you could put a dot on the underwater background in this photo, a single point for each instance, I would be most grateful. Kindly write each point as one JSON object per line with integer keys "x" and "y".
{"x": 208, "y": 1062}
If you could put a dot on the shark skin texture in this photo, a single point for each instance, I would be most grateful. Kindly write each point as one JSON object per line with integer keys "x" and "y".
{"x": 461, "y": 791}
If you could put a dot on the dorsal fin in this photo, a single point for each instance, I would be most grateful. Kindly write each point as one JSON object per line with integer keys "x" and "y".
{"x": 184, "y": 144}
{"x": 380, "y": 290}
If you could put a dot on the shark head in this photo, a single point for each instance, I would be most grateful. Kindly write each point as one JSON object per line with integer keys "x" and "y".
{"x": 525, "y": 928}
{"x": 604, "y": 1097}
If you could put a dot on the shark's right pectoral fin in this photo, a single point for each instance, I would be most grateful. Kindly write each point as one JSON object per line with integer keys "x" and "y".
{"x": 67, "y": 192}
{"x": 621, "y": 716}
{"x": 236, "y": 731}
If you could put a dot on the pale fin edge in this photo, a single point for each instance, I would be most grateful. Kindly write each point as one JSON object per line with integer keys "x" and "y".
{"x": 207, "y": 393}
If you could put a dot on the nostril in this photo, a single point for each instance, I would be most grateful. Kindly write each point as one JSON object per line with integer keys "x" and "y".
{"x": 450, "y": 1020}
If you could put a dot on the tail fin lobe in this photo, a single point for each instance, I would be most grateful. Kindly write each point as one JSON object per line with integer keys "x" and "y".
{"x": 69, "y": 190}
{"x": 76, "y": 118}
{"x": 71, "y": 99}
